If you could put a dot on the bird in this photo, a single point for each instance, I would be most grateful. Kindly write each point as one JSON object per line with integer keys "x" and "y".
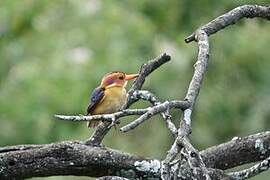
{"x": 110, "y": 96}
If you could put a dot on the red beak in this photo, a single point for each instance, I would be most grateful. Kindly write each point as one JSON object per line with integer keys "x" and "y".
{"x": 131, "y": 76}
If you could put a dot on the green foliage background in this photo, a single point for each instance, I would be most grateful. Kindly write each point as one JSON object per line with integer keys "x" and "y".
{"x": 53, "y": 53}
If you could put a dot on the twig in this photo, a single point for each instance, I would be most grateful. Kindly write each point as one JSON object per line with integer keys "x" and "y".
{"x": 146, "y": 70}
{"x": 200, "y": 67}
{"x": 231, "y": 17}
{"x": 252, "y": 171}
{"x": 148, "y": 96}
{"x": 165, "y": 164}
{"x": 192, "y": 93}
{"x": 145, "y": 113}
{"x": 194, "y": 156}
{"x": 195, "y": 84}
{"x": 154, "y": 111}
{"x": 103, "y": 117}
{"x": 100, "y": 132}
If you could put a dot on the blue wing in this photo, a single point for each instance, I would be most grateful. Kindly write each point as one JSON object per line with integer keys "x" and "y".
{"x": 95, "y": 98}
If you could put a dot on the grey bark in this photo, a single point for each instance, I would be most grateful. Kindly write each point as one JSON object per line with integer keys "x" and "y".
{"x": 77, "y": 158}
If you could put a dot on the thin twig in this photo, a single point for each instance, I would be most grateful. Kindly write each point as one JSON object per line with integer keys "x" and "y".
{"x": 194, "y": 156}
{"x": 148, "y": 96}
{"x": 146, "y": 70}
{"x": 192, "y": 93}
{"x": 252, "y": 171}
{"x": 165, "y": 164}
{"x": 103, "y": 117}
{"x": 154, "y": 111}
{"x": 200, "y": 67}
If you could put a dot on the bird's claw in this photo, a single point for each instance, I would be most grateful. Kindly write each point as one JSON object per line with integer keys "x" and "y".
{"x": 113, "y": 123}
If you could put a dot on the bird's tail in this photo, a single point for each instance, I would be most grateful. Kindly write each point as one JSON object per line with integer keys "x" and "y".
{"x": 93, "y": 124}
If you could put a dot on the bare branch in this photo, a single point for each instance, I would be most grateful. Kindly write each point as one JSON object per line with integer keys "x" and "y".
{"x": 231, "y": 17}
{"x": 252, "y": 171}
{"x": 71, "y": 158}
{"x": 145, "y": 114}
{"x": 154, "y": 111}
{"x": 148, "y": 96}
{"x": 103, "y": 117}
{"x": 185, "y": 127}
{"x": 146, "y": 70}
{"x": 192, "y": 94}
{"x": 195, "y": 160}
{"x": 76, "y": 158}
{"x": 100, "y": 132}
{"x": 200, "y": 68}
{"x": 238, "y": 151}
{"x": 165, "y": 164}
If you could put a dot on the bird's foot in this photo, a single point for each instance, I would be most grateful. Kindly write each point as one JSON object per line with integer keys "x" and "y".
{"x": 114, "y": 123}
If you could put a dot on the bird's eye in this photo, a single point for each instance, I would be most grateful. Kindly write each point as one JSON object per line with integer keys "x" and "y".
{"x": 121, "y": 77}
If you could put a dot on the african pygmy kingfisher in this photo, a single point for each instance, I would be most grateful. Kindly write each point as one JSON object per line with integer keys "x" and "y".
{"x": 110, "y": 96}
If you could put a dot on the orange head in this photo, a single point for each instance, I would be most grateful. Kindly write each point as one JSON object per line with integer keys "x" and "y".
{"x": 117, "y": 78}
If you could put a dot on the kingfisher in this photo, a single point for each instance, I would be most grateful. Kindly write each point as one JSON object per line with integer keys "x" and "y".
{"x": 110, "y": 96}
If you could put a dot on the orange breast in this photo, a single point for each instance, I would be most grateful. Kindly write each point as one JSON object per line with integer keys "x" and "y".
{"x": 114, "y": 98}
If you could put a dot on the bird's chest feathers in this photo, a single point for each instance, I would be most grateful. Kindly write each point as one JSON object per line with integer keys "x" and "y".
{"x": 114, "y": 99}
{"x": 116, "y": 95}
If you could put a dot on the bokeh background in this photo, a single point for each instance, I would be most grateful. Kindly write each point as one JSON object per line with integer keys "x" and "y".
{"x": 54, "y": 53}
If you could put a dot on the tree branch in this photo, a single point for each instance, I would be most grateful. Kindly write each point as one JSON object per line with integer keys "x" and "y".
{"x": 238, "y": 151}
{"x": 200, "y": 68}
{"x": 146, "y": 70}
{"x": 70, "y": 158}
{"x": 154, "y": 111}
{"x": 103, "y": 117}
{"x": 231, "y": 17}
{"x": 148, "y": 96}
{"x": 182, "y": 140}
{"x": 76, "y": 158}
{"x": 145, "y": 113}
{"x": 252, "y": 171}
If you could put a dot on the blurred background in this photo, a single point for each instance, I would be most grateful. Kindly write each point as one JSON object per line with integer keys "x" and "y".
{"x": 54, "y": 53}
